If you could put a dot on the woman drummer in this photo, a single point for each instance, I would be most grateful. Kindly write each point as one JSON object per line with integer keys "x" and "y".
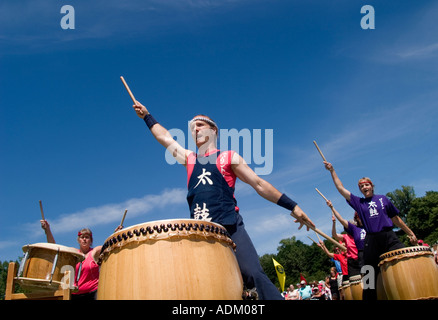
{"x": 378, "y": 216}
{"x": 88, "y": 268}
{"x": 354, "y": 239}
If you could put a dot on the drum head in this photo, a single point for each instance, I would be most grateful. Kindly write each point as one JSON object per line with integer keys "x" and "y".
{"x": 53, "y": 247}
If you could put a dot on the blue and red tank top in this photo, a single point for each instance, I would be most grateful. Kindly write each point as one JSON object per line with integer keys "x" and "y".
{"x": 211, "y": 183}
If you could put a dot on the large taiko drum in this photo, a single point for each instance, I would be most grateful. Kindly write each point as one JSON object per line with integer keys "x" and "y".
{"x": 356, "y": 287}
{"x": 409, "y": 274}
{"x": 170, "y": 259}
{"x": 44, "y": 264}
{"x": 346, "y": 289}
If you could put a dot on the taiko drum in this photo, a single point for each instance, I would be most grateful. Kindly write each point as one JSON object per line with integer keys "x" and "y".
{"x": 44, "y": 264}
{"x": 356, "y": 287}
{"x": 170, "y": 259}
{"x": 409, "y": 274}
{"x": 346, "y": 288}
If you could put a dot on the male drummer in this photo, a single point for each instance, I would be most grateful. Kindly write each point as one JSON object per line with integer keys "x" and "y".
{"x": 211, "y": 179}
{"x": 378, "y": 216}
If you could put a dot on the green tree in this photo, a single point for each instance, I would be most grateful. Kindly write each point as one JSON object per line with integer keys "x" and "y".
{"x": 423, "y": 217}
{"x": 3, "y": 277}
{"x": 268, "y": 268}
{"x": 297, "y": 257}
{"x": 402, "y": 199}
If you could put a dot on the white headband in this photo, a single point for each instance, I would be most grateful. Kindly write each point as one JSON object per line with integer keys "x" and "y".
{"x": 209, "y": 121}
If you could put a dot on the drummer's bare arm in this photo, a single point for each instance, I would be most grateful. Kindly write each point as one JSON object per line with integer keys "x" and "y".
{"x": 324, "y": 248}
{"x": 247, "y": 175}
{"x": 162, "y": 135}
{"x": 96, "y": 253}
{"x": 400, "y": 224}
{"x": 336, "y": 235}
{"x": 337, "y": 215}
{"x": 46, "y": 227}
{"x": 344, "y": 192}
{"x": 264, "y": 188}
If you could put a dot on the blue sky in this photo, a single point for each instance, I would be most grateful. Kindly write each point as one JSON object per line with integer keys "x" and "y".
{"x": 305, "y": 69}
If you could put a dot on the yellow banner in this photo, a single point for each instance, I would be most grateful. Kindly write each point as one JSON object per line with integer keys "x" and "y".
{"x": 280, "y": 274}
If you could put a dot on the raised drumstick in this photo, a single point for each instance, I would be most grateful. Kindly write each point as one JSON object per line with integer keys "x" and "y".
{"x": 322, "y": 234}
{"x": 321, "y": 194}
{"x": 330, "y": 239}
{"x": 123, "y": 219}
{"x": 127, "y": 88}
{"x": 317, "y": 237}
{"x": 313, "y": 240}
{"x": 41, "y": 208}
{"x": 319, "y": 150}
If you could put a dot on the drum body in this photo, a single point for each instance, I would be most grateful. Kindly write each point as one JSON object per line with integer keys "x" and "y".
{"x": 356, "y": 287}
{"x": 409, "y": 274}
{"x": 381, "y": 294}
{"x": 346, "y": 289}
{"x": 44, "y": 264}
{"x": 170, "y": 259}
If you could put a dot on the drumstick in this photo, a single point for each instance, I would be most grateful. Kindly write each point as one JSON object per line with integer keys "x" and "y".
{"x": 317, "y": 237}
{"x": 321, "y": 194}
{"x": 322, "y": 234}
{"x": 319, "y": 150}
{"x": 330, "y": 239}
{"x": 42, "y": 212}
{"x": 129, "y": 90}
{"x": 123, "y": 219}
{"x": 312, "y": 240}
{"x": 332, "y": 208}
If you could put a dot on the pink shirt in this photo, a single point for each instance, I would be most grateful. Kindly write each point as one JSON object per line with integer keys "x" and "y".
{"x": 89, "y": 277}
{"x": 351, "y": 246}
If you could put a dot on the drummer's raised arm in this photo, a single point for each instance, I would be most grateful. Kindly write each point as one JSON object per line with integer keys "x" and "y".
{"x": 96, "y": 253}
{"x": 161, "y": 134}
{"x": 46, "y": 227}
{"x": 344, "y": 192}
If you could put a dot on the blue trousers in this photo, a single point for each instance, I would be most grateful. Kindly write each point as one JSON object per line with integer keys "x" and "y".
{"x": 249, "y": 263}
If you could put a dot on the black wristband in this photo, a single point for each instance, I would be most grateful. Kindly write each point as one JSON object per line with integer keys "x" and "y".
{"x": 286, "y": 202}
{"x": 150, "y": 120}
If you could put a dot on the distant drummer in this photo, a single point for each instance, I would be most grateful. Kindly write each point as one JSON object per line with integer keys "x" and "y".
{"x": 89, "y": 269}
{"x": 378, "y": 215}
{"x": 211, "y": 179}
{"x": 354, "y": 239}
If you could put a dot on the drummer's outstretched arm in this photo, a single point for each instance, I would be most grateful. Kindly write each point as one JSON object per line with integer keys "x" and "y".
{"x": 268, "y": 191}
{"x": 46, "y": 227}
{"x": 161, "y": 134}
{"x": 399, "y": 223}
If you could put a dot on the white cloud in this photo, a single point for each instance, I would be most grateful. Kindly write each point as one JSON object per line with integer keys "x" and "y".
{"x": 417, "y": 52}
{"x": 111, "y": 213}
{"x": 8, "y": 244}
{"x": 31, "y": 22}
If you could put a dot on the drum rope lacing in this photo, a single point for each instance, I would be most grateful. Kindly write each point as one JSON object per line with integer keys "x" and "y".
{"x": 167, "y": 231}
{"x": 404, "y": 253}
